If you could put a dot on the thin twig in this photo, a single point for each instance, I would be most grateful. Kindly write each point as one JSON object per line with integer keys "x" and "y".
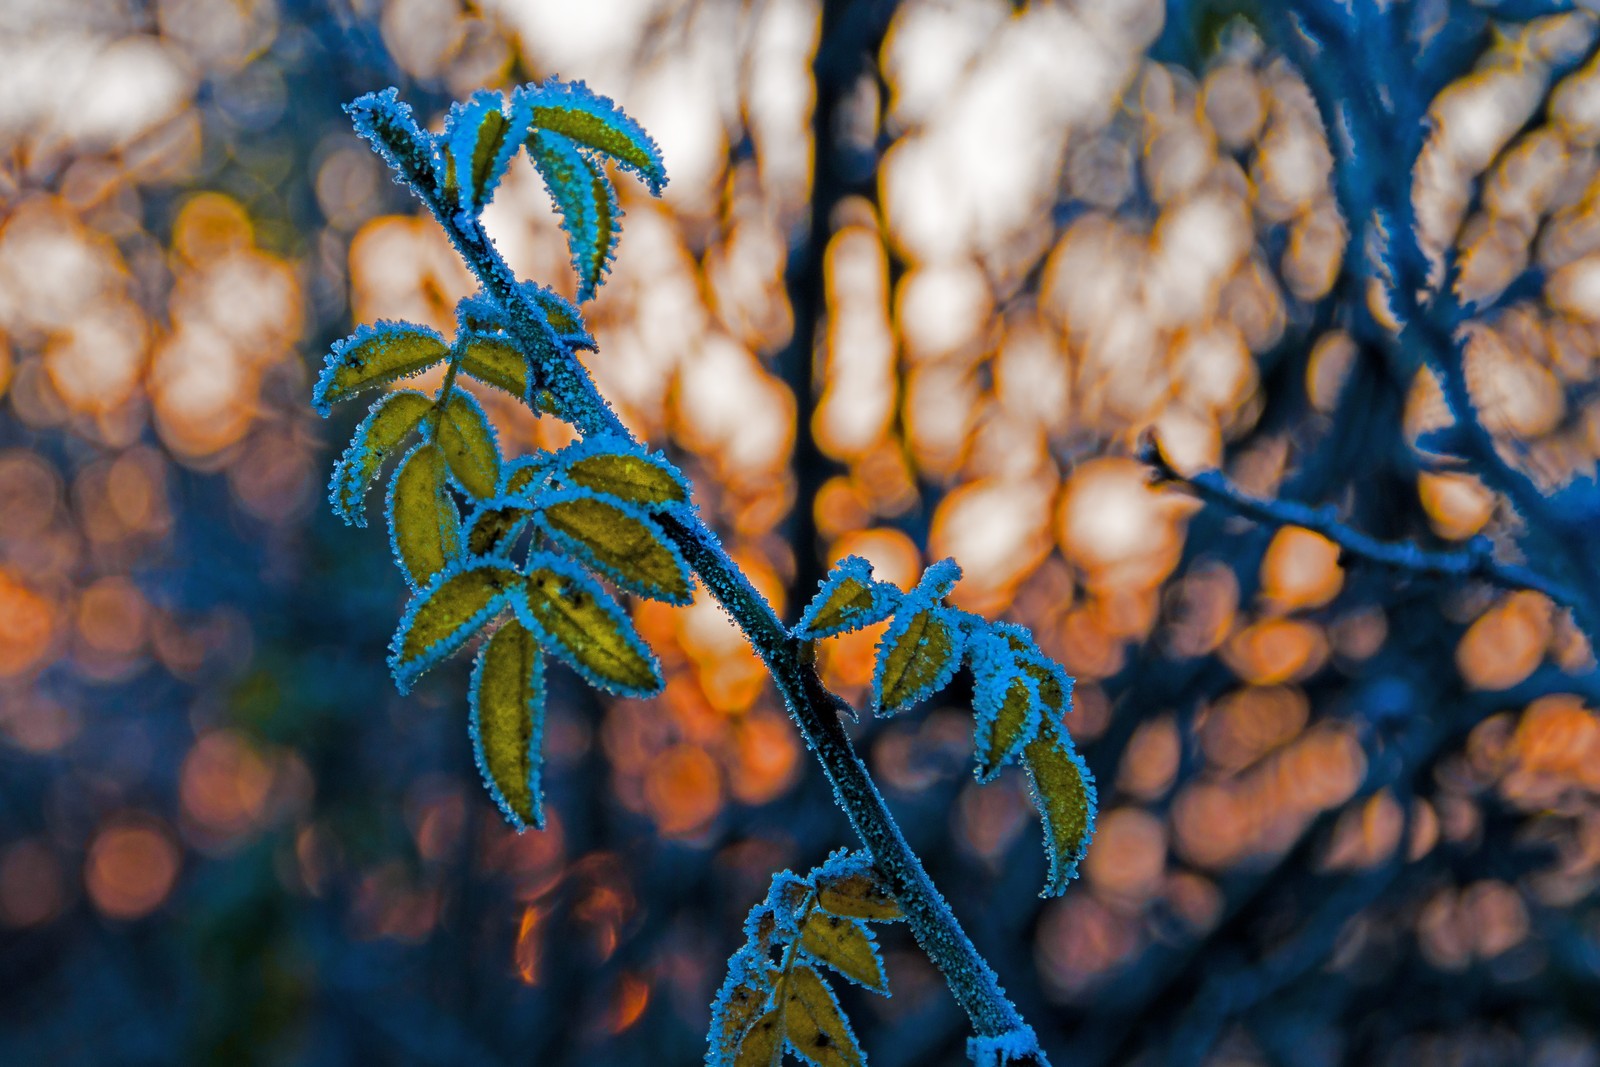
{"x": 1476, "y": 560}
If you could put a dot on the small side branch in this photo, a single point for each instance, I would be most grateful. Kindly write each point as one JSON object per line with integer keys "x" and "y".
{"x": 1476, "y": 560}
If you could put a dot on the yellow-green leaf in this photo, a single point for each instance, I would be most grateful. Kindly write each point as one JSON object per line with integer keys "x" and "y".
{"x": 859, "y": 895}
{"x": 508, "y": 722}
{"x": 385, "y": 426}
{"x": 627, "y": 476}
{"x": 1013, "y": 721}
{"x": 467, "y": 441}
{"x": 493, "y": 527}
{"x": 444, "y": 615}
{"x": 424, "y": 526}
{"x": 497, "y": 362}
{"x": 580, "y": 622}
{"x": 373, "y": 356}
{"x": 1064, "y": 791}
{"x": 849, "y": 598}
{"x": 813, "y": 1023}
{"x": 762, "y": 1045}
{"x": 622, "y": 542}
{"x": 491, "y": 138}
{"x": 917, "y": 656}
{"x": 844, "y": 945}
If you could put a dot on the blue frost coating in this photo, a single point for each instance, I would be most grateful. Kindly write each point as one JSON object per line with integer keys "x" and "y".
{"x": 332, "y": 363}
{"x": 844, "y": 1022}
{"x": 536, "y": 690}
{"x": 449, "y": 508}
{"x": 470, "y": 402}
{"x": 574, "y": 574}
{"x": 1063, "y": 869}
{"x": 587, "y": 555}
{"x": 991, "y": 684}
{"x": 885, "y": 598}
{"x": 480, "y": 311}
{"x": 747, "y": 968}
{"x": 462, "y": 127}
{"x": 1035, "y": 656}
{"x": 785, "y": 896}
{"x": 535, "y": 461}
{"x": 347, "y": 467}
{"x": 383, "y": 119}
{"x": 498, "y": 503}
{"x": 872, "y": 943}
{"x": 909, "y": 609}
{"x": 605, "y": 444}
{"x": 936, "y": 582}
{"x": 632, "y": 147}
{"x": 999, "y": 1050}
{"x": 407, "y": 671}
{"x": 570, "y": 180}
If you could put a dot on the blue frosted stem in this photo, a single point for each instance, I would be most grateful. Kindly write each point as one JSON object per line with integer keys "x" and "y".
{"x": 815, "y": 710}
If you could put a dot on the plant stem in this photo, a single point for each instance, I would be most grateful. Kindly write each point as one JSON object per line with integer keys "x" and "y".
{"x": 815, "y": 710}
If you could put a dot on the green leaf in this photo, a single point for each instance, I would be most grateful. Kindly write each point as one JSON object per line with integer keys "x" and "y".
{"x": 916, "y": 658}
{"x": 493, "y": 527}
{"x": 1005, "y": 728}
{"x": 498, "y": 362}
{"x": 621, "y": 541}
{"x": 1064, "y": 791}
{"x": 580, "y": 622}
{"x": 374, "y": 356}
{"x": 593, "y": 121}
{"x": 813, "y": 1023}
{"x": 606, "y": 466}
{"x": 441, "y": 618}
{"x": 860, "y": 894}
{"x": 468, "y": 443}
{"x": 388, "y": 423}
{"x": 424, "y": 526}
{"x": 762, "y": 1045}
{"x": 585, "y": 201}
{"x": 846, "y": 946}
{"x": 849, "y": 598}
{"x": 508, "y": 700}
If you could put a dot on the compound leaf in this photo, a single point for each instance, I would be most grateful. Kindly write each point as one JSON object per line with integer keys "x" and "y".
{"x": 846, "y": 945}
{"x": 847, "y": 599}
{"x": 573, "y": 110}
{"x": 815, "y": 1027}
{"x": 579, "y": 621}
{"x": 1064, "y": 792}
{"x": 387, "y": 423}
{"x": 424, "y": 526}
{"x": 620, "y": 540}
{"x": 440, "y": 618}
{"x": 468, "y": 443}
{"x": 507, "y": 722}
{"x": 373, "y": 356}
{"x": 619, "y": 468}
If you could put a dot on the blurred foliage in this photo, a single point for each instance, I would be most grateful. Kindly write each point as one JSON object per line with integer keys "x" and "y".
{"x": 925, "y": 275}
